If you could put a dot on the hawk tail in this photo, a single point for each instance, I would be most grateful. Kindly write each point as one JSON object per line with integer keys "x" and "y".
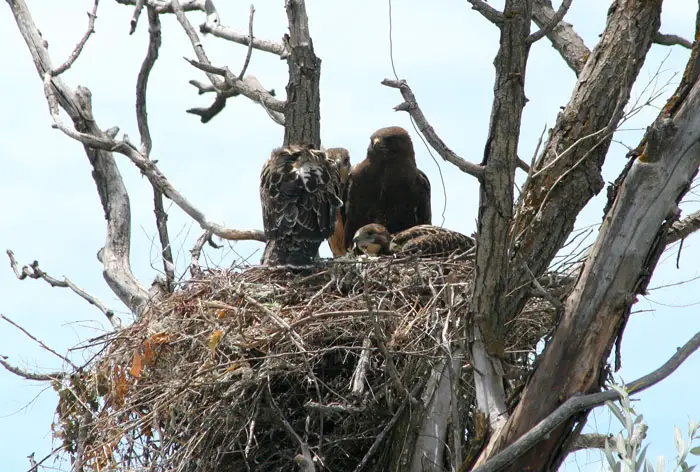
{"x": 291, "y": 252}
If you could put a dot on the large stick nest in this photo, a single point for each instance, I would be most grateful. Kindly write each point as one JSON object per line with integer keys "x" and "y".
{"x": 245, "y": 370}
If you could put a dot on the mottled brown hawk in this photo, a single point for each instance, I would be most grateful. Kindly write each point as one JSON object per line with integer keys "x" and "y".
{"x": 387, "y": 187}
{"x": 424, "y": 240}
{"x": 341, "y": 159}
{"x": 300, "y": 196}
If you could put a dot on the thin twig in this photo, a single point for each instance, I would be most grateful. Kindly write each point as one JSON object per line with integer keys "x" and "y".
{"x": 30, "y": 375}
{"x": 39, "y": 342}
{"x": 79, "y": 47}
{"x": 34, "y": 272}
{"x": 250, "y": 45}
{"x": 154, "y": 42}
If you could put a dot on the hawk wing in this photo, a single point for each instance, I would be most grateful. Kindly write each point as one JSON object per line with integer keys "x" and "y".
{"x": 341, "y": 160}
{"x": 299, "y": 192}
{"x": 423, "y": 211}
{"x": 428, "y": 240}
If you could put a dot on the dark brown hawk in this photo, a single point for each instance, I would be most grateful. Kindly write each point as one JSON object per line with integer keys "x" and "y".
{"x": 387, "y": 187}
{"x": 424, "y": 240}
{"x": 300, "y": 196}
{"x": 341, "y": 159}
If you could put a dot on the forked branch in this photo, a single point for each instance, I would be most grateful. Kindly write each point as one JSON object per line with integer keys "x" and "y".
{"x": 551, "y": 23}
{"x": 487, "y": 11}
{"x": 34, "y": 272}
{"x": 562, "y": 35}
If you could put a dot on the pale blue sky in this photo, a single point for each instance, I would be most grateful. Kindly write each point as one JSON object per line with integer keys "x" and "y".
{"x": 445, "y": 50}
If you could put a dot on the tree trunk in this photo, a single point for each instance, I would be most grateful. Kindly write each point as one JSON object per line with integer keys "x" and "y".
{"x": 302, "y": 111}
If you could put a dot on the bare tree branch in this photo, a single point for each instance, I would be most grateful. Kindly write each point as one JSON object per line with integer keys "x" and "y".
{"x": 580, "y": 403}
{"x": 213, "y": 25}
{"x": 39, "y": 342}
{"x": 135, "y": 17}
{"x": 113, "y": 195}
{"x": 25, "y": 374}
{"x": 249, "y": 87}
{"x": 79, "y": 47}
{"x": 196, "y": 251}
{"x": 165, "y": 6}
{"x": 195, "y": 41}
{"x": 563, "y": 37}
{"x": 567, "y": 173}
{"x": 617, "y": 270}
{"x": 487, "y": 11}
{"x": 232, "y": 85}
{"x": 554, "y": 21}
{"x": 683, "y": 228}
{"x": 34, "y": 272}
{"x": 410, "y": 105}
{"x": 154, "y": 42}
{"x": 250, "y": 44}
{"x": 672, "y": 40}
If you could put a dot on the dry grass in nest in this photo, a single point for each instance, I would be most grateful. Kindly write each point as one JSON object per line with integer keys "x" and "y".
{"x": 240, "y": 370}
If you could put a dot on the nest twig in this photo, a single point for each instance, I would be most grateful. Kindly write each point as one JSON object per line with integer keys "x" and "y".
{"x": 247, "y": 370}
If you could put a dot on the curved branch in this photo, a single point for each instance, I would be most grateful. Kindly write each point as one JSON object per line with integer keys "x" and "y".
{"x": 25, "y": 374}
{"x": 672, "y": 40}
{"x": 34, "y": 272}
{"x": 410, "y": 105}
{"x": 578, "y": 404}
{"x": 110, "y": 186}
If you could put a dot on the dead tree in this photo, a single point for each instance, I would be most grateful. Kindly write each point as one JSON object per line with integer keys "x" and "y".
{"x": 517, "y": 240}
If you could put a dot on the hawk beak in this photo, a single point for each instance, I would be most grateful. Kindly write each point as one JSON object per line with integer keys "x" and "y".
{"x": 360, "y": 238}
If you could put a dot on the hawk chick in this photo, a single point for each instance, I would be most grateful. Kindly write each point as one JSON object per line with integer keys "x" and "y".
{"x": 387, "y": 187}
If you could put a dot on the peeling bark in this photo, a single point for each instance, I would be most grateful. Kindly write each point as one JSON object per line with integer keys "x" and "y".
{"x": 302, "y": 110}
{"x": 568, "y": 172}
{"x": 625, "y": 254}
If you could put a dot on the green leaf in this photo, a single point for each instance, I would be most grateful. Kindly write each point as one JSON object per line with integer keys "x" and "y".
{"x": 695, "y": 451}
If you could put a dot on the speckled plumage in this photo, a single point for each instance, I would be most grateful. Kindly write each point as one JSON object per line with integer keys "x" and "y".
{"x": 424, "y": 240}
{"x": 300, "y": 196}
{"x": 341, "y": 159}
{"x": 387, "y": 187}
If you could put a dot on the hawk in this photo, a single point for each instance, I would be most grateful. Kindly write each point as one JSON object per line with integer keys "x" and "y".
{"x": 424, "y": 240}
{"x": 387, "y": 187}
{"x": 300, "y": 196}
{"x": 341, "y": 159}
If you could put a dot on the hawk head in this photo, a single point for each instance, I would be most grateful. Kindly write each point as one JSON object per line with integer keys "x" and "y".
{"x": 340, "y": 157}
{"x": 391, "y": 143}
{"x": 373, "y": 240}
